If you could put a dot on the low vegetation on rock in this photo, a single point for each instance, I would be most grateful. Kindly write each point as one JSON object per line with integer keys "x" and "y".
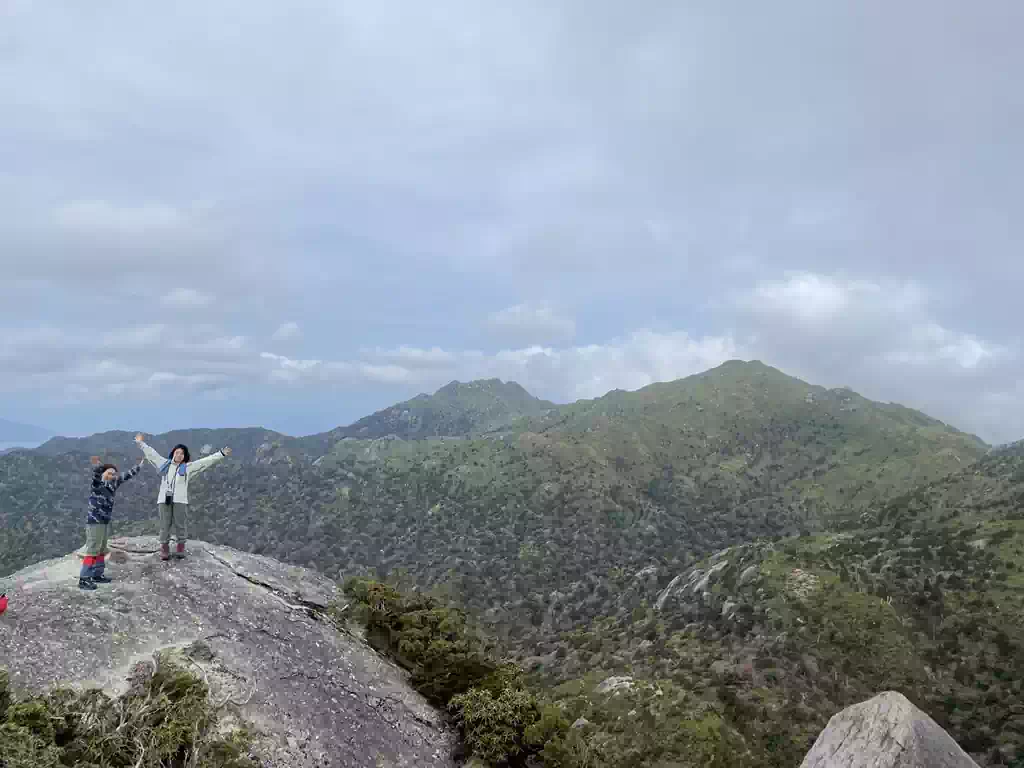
{"x": 165, "y": 719}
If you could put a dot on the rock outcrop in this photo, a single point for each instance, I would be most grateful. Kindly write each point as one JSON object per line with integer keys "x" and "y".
{"x": 886, "y": 731}
{"x": 259, "y": 631}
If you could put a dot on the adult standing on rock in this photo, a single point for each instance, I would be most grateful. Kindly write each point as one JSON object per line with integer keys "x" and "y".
{"x": 175, "y": 471}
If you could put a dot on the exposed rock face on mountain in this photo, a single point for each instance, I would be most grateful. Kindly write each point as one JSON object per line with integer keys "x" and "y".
{"x": 885, "y": 732}
{"x": 258, "y": 630}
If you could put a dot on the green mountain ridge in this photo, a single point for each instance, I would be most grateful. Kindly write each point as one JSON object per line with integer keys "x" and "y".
{"x": 739, "y": 452}
{"x": 455, "y": 410}
{"x": 926, "y": 598}
{"x": 245, "y": 442}
{"x": 682, "y": 537}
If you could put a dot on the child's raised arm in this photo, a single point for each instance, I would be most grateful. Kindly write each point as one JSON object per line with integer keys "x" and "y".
{"x": 97, "y": 469}
{"x": 125, "y": 476}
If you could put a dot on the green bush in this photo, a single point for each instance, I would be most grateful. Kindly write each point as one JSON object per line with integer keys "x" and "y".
{"x": 433, "y": 640}
{"x": 501, "y": 720}
{"x": 166, "y": 722}
{"x": 5, "y": 696}
{"x": 494, "y": 726}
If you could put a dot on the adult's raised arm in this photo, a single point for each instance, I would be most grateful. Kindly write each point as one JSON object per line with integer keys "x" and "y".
{"x": 203, "y": 464}
{"x": 151, "y": 455}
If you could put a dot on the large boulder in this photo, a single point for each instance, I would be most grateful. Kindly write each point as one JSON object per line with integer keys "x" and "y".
{"x": 886, "y": 731}
{"x": 258, "y": 630}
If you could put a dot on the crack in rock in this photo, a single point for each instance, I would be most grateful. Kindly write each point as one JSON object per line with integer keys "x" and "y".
{"x": 314, "y": 610}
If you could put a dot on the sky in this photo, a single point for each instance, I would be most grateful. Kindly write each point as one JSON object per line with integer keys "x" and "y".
{"x": 293, "y": 214}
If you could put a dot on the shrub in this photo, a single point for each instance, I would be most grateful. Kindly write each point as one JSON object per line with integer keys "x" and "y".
{"x": 167, "y": 721}
{"x": 434, "y": 641}
{"x": 494, "y": 726}
{"x": 501, "y": 720}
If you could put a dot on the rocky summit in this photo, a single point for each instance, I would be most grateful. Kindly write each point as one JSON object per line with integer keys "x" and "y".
{"x": 261, "y": 634}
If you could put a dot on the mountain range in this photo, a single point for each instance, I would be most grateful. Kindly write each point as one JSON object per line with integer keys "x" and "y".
{"x": 457, "y": 410}
{"x": 744, "y": 550}
{"x": 15, "y": 432}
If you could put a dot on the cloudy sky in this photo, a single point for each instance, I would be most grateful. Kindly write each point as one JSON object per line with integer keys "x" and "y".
{"x": 292, "y": 214}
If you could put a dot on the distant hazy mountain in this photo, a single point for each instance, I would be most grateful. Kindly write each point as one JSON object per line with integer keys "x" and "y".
{"x": 14, "y": 432}
{"x": 456, "y": 410}
{"x": 1010, "y": 449}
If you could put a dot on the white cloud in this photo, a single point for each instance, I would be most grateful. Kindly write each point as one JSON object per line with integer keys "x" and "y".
{"x": 167, "y": 381}
{"x": 532, "y": 323}
{"x": 186, "y": 298}
{"x": 562, "y": 374}
{"x": 225, "y": 344}
{"x": 104, "y": 371}
{"x": 377, "y": 373}
{"x": 143, "y": 361}
{"x": 929, "y": 342}
{"x": 817, "y": 299}
{"x": 140, "y": 337}
{"x": 886, "y": 339}
{"x": 860, "y": 319}
{"x": 106, "y": 221}
{"x": 135, "y": 251}
{"x": 285, "y": 369}
{"x": 414, "y": 357}
{"x": 487, "y": 150}
{"x": 287, "y": 332}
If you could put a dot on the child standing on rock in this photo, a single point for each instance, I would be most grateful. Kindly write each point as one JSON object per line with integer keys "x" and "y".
{"x": 175, "y": 472}
{"x": 105, "y": 482}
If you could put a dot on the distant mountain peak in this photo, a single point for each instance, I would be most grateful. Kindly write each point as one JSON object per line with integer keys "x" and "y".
{"x": 13, "y": 431}
{"x": 458, "y": 409}
{"x": 477, "y": 384}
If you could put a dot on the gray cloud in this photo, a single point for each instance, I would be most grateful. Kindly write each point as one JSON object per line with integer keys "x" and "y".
{"x": 885, "y": 339}
{"x": 532, "y": 323}
{"x": 386, "y": 176}
{"x": 564, "y": 374}
{"x": 146, "y": 362}
{"x": 881, "y": 338}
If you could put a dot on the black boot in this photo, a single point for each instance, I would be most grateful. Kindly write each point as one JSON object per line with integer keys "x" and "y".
{"x": 86, "y": 584}
{"x": 101, "y": 579}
